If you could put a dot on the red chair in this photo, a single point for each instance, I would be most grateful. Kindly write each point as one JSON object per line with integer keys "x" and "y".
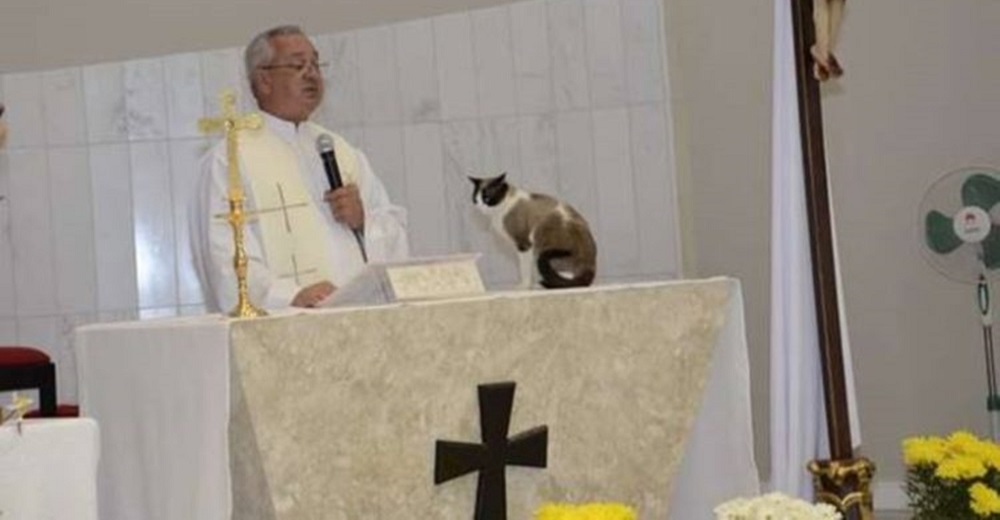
{"x": 64, "y": 411}
{"x": 24, "y": 368}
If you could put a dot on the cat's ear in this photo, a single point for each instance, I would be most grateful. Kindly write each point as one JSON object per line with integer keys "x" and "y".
{"x": 502, "y": 177}
{"x": 475, "y": 181}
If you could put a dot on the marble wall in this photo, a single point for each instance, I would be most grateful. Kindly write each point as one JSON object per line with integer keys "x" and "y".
{"x": 568, "y": 96}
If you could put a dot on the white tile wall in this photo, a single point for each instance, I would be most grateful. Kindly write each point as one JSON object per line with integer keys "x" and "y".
{"x": 425, "y": 183}
{"x": 145, "y": 100}
{"x": 568, "y": 49}
{"x": 456, "y": 66}
{"x": 494, "y": 62}
{"x": 539, "y": 165}
{"x": 605, "y": 53}
{"x": 220, "y": 70}
{"x": 184, "y": 95}
{"x": 384, "y": 149}
{"x": 8, "y": 331}
{"x": 532, "y": 57}
{"x": 114, "y": 241}
{"x": 617, "y": 232}
{"x": 72, "y": 214}
{"x": 152, "y": 215}
{"x": 7, "y": 294}
{"x": 25, "y": 114}
{"x": 184, "y": 158}
{"x": 654, "y": 191}
{"x": 461, "y": 155}
{"x": 32, "y": 232}
{"x": 104, "y": 94}
{"x": 644, "y": 55}
{"x": 65, "y": 118}
{"x": 342, "y": 102}
{"x": 567, "y": 96}
{"x": 575, "y": 164}
{"x": 417, "y": 72}
{"x": 379, "y": 79}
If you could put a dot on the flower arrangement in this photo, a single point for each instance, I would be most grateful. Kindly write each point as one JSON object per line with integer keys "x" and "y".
{"x": 594, "y": 511}
{"x": 775, "y": 506}
{"x": 954, "y": 477}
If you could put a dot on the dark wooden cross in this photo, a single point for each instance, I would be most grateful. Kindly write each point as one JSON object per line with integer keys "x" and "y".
{"x": 843, "y": 480}
{"x": 491, "y": 458}
{"x": 821, "y": 234}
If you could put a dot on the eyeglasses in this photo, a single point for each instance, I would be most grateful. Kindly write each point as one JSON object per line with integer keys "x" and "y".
{"x": 300, "y": 67}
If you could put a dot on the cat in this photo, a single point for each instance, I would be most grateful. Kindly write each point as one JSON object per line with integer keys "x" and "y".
{"x": 554, "y": 245}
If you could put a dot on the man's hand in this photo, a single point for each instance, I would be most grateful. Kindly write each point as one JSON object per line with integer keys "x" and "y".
{"x": 345, "y": 204}
{"x": 311, "y": 296}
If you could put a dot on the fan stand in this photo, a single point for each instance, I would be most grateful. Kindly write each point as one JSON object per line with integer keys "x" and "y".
{"x": 992, "y": 399}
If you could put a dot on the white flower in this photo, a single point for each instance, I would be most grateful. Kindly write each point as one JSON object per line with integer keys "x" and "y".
{"x": 774, "y": 506}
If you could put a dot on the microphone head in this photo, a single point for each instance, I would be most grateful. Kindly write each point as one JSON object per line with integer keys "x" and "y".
{"x": 324, "y": 143}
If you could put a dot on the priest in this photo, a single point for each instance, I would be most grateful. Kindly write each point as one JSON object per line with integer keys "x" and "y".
{"x": 305, "y": 237}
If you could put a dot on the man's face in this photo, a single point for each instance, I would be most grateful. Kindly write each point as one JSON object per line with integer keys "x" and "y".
{"x": 291, "y": 85}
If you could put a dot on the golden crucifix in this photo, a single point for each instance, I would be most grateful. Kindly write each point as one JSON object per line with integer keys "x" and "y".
{"x": 232, "y": 123}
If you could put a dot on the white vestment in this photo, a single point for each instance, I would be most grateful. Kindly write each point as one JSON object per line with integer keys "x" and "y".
{"x": 211, "y": 236}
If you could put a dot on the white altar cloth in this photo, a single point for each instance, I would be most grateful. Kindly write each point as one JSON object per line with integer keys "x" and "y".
{"x": 160, "y": 390}
{"x": 49, "y": 470}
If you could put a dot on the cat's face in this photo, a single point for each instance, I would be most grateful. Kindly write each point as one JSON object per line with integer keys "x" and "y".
{"x": 489, "y": 192}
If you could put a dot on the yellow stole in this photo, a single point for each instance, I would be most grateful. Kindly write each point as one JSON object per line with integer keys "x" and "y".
{"x": 292, "y": 232}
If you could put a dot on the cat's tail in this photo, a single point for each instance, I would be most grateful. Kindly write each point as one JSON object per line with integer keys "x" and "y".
{"x": 551, "y": 279}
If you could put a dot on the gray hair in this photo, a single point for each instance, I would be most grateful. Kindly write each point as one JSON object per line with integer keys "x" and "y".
{"x": 260, "y": 51}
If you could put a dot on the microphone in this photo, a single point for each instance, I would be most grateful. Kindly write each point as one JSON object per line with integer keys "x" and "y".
{"x": 324, "y": 145}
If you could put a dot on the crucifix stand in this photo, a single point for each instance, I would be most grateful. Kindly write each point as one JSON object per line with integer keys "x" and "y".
{"x": 232, "y": 123}
{"x": 844, "y": 481}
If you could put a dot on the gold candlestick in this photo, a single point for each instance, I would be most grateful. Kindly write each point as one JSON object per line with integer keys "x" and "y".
{"x": 232, "y": 123}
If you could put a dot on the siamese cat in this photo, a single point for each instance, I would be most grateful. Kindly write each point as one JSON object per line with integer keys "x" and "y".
{"x": 554, "y": 245}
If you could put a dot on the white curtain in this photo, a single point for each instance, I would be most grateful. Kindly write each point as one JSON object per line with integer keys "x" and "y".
{"x": 798, "y": 420}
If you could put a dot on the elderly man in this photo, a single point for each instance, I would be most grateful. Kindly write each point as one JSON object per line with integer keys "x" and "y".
{"x": 304, "y": 239}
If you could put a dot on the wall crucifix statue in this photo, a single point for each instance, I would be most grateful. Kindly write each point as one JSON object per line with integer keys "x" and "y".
{"x": 843, "y": 480}
{"x": 827, "y": 16}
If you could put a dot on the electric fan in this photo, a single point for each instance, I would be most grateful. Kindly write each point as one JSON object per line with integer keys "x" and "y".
{"x": 960, "y": 223}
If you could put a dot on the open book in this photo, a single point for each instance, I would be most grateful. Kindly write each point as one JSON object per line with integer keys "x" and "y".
{"x": 411, "y": 280}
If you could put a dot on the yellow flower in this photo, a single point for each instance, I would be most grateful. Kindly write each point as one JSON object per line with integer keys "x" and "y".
{"x": 985, "y": 501}
{"x": 990, "y": 454}
{"x": 963, "y": 443}
{"x": 924, "y": 450}
{"x": 960, "y": 467}
{"x": 595, "y": 511}
{"x": 962, "y": 438}
{"x": 986, "y": 451}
